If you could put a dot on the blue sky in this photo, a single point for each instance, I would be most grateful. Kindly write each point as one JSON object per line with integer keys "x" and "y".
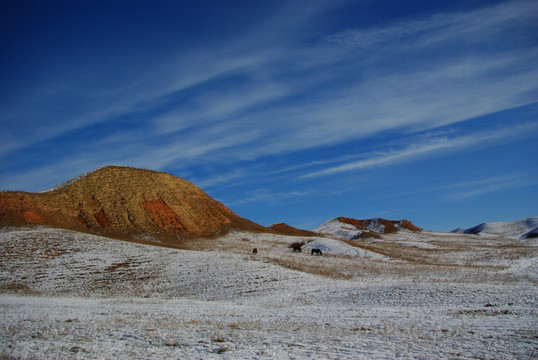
{"x": 285, "y": 111}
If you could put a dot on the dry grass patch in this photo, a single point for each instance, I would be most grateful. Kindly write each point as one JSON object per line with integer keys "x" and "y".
{"x": 317, "y": 268}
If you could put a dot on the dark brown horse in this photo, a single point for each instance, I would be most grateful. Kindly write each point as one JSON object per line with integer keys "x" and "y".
{"x": 317, "y": 252}
{"x": 255, "y": 251}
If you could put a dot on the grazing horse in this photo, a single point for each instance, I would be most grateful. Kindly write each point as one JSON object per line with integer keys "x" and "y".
{"x": 296, "y": 248}
{"x": 255, "y": 251}
{"x": 317, "y": 252}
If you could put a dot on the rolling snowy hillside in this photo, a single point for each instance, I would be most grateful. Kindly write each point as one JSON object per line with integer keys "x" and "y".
{"x": 65, "y": 294}
{"x": 522, "y": 229}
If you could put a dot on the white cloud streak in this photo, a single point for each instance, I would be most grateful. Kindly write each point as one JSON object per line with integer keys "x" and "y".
{"x": 476, "y": 188}
{"x": 429, "y": 148}
{"x": 444, "y": 91}
{"x": 266, "y": 196}
{"x": 293, "y": 95}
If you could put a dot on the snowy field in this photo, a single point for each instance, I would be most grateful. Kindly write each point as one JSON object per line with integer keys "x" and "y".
{"x": 426, "y": 296}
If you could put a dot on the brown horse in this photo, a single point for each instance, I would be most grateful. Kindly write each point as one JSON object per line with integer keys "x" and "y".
{"x": 255, "y": 251}
{"x": 317, "y": 252}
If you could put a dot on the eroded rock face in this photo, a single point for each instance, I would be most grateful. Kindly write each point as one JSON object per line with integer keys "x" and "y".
{"x": 380, "y": 226}
{"x": 32, "y": 218}
{"x": 127, "y": 201}
{"x": 163, "y": 216}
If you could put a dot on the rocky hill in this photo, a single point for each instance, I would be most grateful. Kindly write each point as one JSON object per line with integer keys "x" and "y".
{"x": 124, "y": 201}
{"x": 351, "y": 229}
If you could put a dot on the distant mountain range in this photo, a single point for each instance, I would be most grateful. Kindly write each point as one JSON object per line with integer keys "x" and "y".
{"x": 522, "y": 229}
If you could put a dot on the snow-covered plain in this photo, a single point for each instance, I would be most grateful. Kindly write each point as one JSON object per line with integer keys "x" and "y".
{"x": 409, "y": 295}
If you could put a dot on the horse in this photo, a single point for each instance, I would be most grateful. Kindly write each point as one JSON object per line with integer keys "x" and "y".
{"x": 255, "y": 251}
{"x": 317, "y": 252}
{"x": 296, "y": 248}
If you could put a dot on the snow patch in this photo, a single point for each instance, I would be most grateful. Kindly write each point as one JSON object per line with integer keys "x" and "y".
{"x": 523, "y": 229}
{"x": 376, "y": 226}
{"x": 417, "y": 244}
{"x": 525, "y": 267}
{"x": 339, "y": 229}
{"x": 336, "y": 247}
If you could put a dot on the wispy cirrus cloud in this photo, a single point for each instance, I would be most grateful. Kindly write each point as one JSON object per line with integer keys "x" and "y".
{"x": 430, "y": 147}
{"x": 435, "y": 91}
{"x": 284, "y": 89}
{"x": 379, "y": 93}
{"x": 470, "y": 189}
{"x": 267, "y": 196}
{"x": 91, "y": 104}
{"x": 474, "y": 25}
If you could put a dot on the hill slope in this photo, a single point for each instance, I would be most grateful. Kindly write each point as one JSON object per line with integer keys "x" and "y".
{"x": 123, "y": 200}
{"x": 524, "y": 229}
{"x": 68, "y": 295}
{"x": 285, "y": 229}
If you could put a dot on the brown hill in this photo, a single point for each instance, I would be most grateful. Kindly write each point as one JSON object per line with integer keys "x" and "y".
{"x": 286, "y": 229}
{"x": 124, "y": 201}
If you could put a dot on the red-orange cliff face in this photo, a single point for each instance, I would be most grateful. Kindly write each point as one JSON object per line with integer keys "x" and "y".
{"x": 124, "y": 200}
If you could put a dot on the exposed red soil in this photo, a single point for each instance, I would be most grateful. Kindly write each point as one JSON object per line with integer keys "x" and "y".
{"x": 31, "y": 217}
{"x": 163, "y": 216}
{"x": 101, "y": 219}
{"x": 355, "y": 222}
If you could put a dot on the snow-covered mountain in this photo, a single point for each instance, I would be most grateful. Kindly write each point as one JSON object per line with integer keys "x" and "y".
{"x": 522, "y": 229}
{"x": 351, "y": 229}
